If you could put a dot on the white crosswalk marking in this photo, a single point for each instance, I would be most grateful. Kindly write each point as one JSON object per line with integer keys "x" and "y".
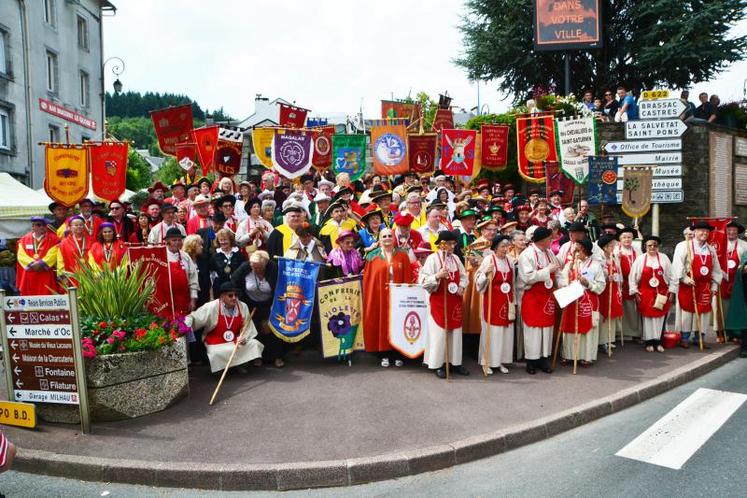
{"x": 675, "y": 437}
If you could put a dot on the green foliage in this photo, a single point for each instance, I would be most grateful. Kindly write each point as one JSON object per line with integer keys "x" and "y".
{"x": 138, "y": 172}
{"x": 138, "y": 131}
{"x": 732, "y": 115}
{"x": 138, "y": 333}
{"x": 113, "y": 293}
{"x": 169, "y": 172}
{"x": 428, "y": 107}
{"x": 647, "y": 44}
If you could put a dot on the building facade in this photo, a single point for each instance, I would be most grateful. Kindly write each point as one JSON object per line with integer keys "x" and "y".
{"x": 51, "y": 77}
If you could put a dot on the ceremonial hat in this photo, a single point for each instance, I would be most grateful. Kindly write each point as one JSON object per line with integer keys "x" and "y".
{"x": 112, "y": 203}
{"x": 508, "y": 225}
{"x": 535, "y": 191}
{"x": 735, "y": 224}
{"x": 38, "y": 219}
{"x": 149, "y": 202}
{"x": 466, "y": 213}
{"x": 605, "y": 239}
{"x": 497, "y": 240}
{"x": 168, "y": 207}
{"x": 107, "y": 224}
{"x": 344, "y": 234}
{"x": 219, "y": 217}
{"x": 519, "y": 200}
{"x": 414, "y": 188}
{"x": 509, "y": 186}
{"x": 266, "y": 194}
{"x": 541, "y": 233}
{"x": 370, "y": 211}
{"x": 86, "y": 200}
{"x": 172, "y": 233}
{"x": 703, "y": 225}
{"x": 482, "y": 183}
{"x": 191, "y": 186}
{"x": 200, "y": 200}
{"x": 321, "y": 197}
{"x": 555, "y": 192}
{"x": 202, "y": 180}
{"x": 178, "y": 183}
{"x": 53, "y": 205}
{"x": 650, "y": 237}
{"x": 226, "y": 287}
{"x": 245, "y": 183}
{"x": 338, "y": 203}
{"x": 157, "y": 186}
{"x": 342, "y": 191}
{"x": 623, "y": 230}
{"x": 446, "y": 236}
{"x": 576, "y": 226}
{"x": 307, "y": 178}
{"x": 524, "y": 207}
{"x": 403, "y": 220}
{"x": 324, "y": 181}
{"x": 223, "y": 199}
{"x": 423, "y": 248}
{"x": 610, "y": 226}
{"x": 484, "y": 221}
{"x": 586, "y": 244}
{"x": 293, "y": 208}
{"x": 436, "y": 204}
{"x": 379, "y": 192}
{"x": 76, "y": 217}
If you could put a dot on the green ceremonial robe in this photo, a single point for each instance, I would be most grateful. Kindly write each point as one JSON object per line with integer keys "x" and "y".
{"x": 736, "y": 319}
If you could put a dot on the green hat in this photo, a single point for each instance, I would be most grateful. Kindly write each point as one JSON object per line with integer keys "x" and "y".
{"x": 466, "y": 213}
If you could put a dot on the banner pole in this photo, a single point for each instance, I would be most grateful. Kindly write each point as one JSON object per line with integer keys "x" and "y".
{"x": 486, "y": 356}
{"x": 80, "y": 366}
{"x": 655, "y": 220}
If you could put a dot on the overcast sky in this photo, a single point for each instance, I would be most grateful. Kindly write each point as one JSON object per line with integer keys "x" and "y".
{"x": 331, "y": 56}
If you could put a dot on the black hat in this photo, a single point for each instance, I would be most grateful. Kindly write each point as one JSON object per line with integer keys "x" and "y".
{"x": 168, "y": 207}
{"x": 518, "y": 200}
{"x": 203, "y": 180}
{"x": 219, "y": 217}
{"x": 446, "y": 236}
{"x": 533, "y": 191}
{"x": 555, "y": 192}
{"x": 226, "y": 198}
{"x": 174, "y": 233}
{"x": 436, "y": 204}
{"x": 541, "y": 233}
{"x": 307, "y": 178}
{"x": 227, "y": 287}
{"x": 650, "y": 237}
{"x": 378, "y": 192}
{"x": 735, "y": 224}
{"x": 610, "y": 226}
{"x": 605, "y": 239}
{"x": 53, "y": 205}
{"x": 627, "y": 230}
{"x": 576, "y": 226}
{"x": 292, "y": 208}
{"x": 587, "y": 245}
{"x": 704, "y": 225}
{"x": 498, "y": 239}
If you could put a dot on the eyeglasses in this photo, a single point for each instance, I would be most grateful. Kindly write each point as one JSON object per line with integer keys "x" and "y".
{"x": 386, "y": 237}
{"x": 608, "y": 95}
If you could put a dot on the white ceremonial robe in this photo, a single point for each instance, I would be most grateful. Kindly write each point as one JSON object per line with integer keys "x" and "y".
{"x": 436, "y": 341}
{"x": 537, "y": 340}
{"x": 687, "y": 321}
{"x": 652, "y": 326}
{"x": 588, "y": 342}
{"x": 501, "y": 349}
{"x": 631, "y": 320}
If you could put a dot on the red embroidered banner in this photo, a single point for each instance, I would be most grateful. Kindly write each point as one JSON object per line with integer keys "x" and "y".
{"x": 228, "y": 151}
{"x": 292, "y": 117}
{"x": 173, "y": 125}
{"x": 717, "y": 238}
{"x": 108, "y": 169}
{"x": 535, "y": 144}
{"x": 205, "y": 139}
{"x": 422, "y": 152}
{"x": 155, "y": 264}
{"x": 322, "y": 158}
{"x": 444, "y": 119}
{"x": 555, "y": 179}
{"x": 185, "y": 155}
{"x": 458, "y": 152}
{"x": 494, "y": 146}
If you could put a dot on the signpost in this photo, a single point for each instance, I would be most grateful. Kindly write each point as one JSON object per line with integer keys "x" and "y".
{"x": 661, "y": 197}
{"x": 660, "y": 109}
{"x": 643, "y": 146}
{"x": 666, "y": 171}
{"x": 658, "y": 183}
{"x": 664, "y": 128}
{"x": 655, "y": 158}
{"x": 43, "y": 360}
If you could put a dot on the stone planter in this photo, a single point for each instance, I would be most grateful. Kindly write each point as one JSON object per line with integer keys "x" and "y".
{"x": 129, "y": 385}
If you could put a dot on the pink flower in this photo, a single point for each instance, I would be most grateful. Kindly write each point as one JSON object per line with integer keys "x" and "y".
{"x": 110, "y": 340}
{"x": 119, "y": 334}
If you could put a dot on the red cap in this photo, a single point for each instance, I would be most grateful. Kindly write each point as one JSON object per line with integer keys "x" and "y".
{"x": 403, "y": 220}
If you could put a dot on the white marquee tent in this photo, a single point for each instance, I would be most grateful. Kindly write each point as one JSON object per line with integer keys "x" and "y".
{"x": 17, "y": 204}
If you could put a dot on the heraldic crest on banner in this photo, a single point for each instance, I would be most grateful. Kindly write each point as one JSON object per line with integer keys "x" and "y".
{"x": 636, "y": 199}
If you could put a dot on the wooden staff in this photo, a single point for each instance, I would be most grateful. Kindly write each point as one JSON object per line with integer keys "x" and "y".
{"x": 720, "y": 316}
{"x": 576, "y": 339}
{"x": 695, "y": 300}
{"x": 559, "y": 331}
{"x": 486, "y": 353}
{"x": 233, "y": 353}
{"x": 446, "y": 318}
{"x": 609, "y": 323}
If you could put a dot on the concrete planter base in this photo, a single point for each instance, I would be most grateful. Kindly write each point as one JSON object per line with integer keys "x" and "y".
{"x": 129, "y": 385}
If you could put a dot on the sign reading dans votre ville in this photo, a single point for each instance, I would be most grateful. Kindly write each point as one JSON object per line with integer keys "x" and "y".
{"x": 566, "y": 24}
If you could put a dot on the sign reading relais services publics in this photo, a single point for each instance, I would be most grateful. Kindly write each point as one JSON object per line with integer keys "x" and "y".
{"x": 567, "y": 24}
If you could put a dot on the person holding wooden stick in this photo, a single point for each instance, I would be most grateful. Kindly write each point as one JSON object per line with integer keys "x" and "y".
{"x": 537, "y": 269}
{"x": 653, "y": 286}
{"x": 699, "y": 273}
{"x": 627, "y": 252}
{"x": 444, "y": 275}
{"x": 223, "y": 320}
{"x": 495, "y": 280}
{"x": 611, "y": 299}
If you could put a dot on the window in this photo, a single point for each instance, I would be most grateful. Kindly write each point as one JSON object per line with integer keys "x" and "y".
{"x": 52, "y": 72}
{"x": 84, "y": 93}
{"x": 54, "y": 134}
{"x": 4, "y": 129}
{"x": 49, "y": 13}
{"x": 4, "y": 52}
{"x": 82, "y": 33}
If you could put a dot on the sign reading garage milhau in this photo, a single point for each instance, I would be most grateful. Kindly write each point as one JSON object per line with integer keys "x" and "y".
{"x": 564, "y": 24}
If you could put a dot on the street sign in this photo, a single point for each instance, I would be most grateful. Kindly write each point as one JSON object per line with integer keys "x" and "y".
{"x": 657, "y": 184}
{"x": 666, "y": 171}
{"x": 18, "y": 414}
{"x": 37, "y": 317}
{"x": 654, "y": 159}
{"x": 661, "y": 197}
{"x": 664, "y": 128}
{"x": 654, "y": 94}
{"x": 643, "y": 146}
{"x": 660, "y": 109}
{"x": 16, "y": 303}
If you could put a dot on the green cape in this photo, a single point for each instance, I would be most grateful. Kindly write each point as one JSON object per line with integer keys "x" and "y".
{"x": 736, "y": 318}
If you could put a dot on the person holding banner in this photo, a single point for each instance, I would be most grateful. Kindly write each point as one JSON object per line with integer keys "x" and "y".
{"x": 443, "y": 276}
{"x": 627, "y": 253}
{"x": 653, "y": 286}
{"x": 495, "y": 280}
{"x": 284, "y": 235}
{"x": 385, "y": 265}
{"x": 611, "y": 299}
{"x": 73, "y": 250}
{"x": 698, "y": 271}
{"x": 224, "y": 322}
{"x": 36, "y": 260}
{"x": 106, "y": 250}
{"x": 537, "y": 269}
{"x": 182, "y": 283}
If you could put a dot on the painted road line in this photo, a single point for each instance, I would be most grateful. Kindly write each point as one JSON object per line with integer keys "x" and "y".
{"x": 675, "y": 437}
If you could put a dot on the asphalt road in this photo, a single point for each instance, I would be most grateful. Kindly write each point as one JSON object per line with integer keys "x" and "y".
{"x": 578, "y": 463}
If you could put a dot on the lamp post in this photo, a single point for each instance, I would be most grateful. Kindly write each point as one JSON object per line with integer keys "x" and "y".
{"x": 743, "y": 103}
{"x": 117, "y": 68}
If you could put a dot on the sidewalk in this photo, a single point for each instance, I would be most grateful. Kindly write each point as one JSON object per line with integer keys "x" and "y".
{"x": 320, "y": 423}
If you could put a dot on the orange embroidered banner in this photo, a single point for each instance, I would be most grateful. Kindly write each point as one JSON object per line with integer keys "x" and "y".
{"x": 66, "y": 173}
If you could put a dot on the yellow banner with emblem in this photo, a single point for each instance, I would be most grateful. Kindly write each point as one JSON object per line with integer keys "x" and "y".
{"x": 262, "y": 144}
{"x": 66, "y": 173}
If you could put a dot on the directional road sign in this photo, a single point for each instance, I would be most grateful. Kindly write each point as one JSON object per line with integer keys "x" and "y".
{"x": 643, "y": 146}
{"x": 664, "y": 128}
{"x": 665, "y": 171}
{"x": 658, "y": 184}
{"x": 654, "y": 159}
{"x": 661, "y": 196}
{"x": 660, "y": 109}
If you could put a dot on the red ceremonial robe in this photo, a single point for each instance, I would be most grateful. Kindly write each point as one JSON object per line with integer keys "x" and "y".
{"x": 499, "y": 300}
{"x": 71, "y": 253}
{"x": 613, "y": 287}
{"x": 648, "y": 292}
{"x": 732, "y": 263}
{"x": 112, "y": 257}
{"x": 702, "y": 279}
{"x": 42, "y": 280}
{"x": 626, "y": 263}
{"x": 195, "y": 223}
{"x": 448, "y": 315}
{"x": 538, "y": 302}
{"x": 376, "y": 280}
{"x": 581, "y": 308}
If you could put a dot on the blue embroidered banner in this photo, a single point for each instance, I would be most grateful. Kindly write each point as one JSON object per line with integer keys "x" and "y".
{"x": 290, "y": 316}
{"x": 602, "y": 186}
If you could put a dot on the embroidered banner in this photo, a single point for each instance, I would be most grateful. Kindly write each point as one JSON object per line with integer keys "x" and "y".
{"x": 340, "y": 305}
{"x": 389, "y": 149}
{"x": 292, "y": 117}
{"x": 394, "y": 109}
{"x": 185, "y": 155}
{"x": 262, "y": 145}
{"x": 228, "y": 151}
{"x": 408, "y": 320}
{"x": 292, "y": 152}
{"x": 535, "y": 144}
{"x": 602, "y": 187}
{"x": 636, "y": 199}
{"x": 349, "y": 155}
{"x": 555, "y": 179}
{"x": 444, "y": 119}
{"x": 173, "y": 125}
{"x": 66, "y": 173}
{"x": 206, "y": 139}
{"x": 322, "y": 158}
{"x": 576, "y": 142}
{"x": 108, "y": 169}
{"x": 494, "y": 146}
{"x": 421, "y": 151}
{"x": 458, "y": 152}
{"x": 155, "y": 264}
{"x": 717, "y": 238}
{"x": 292, "y": 308}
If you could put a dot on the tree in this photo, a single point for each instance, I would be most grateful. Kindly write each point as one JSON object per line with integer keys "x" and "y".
{"x": 169, "y": 171}
{"x": 647, "y": 43}
{"x": 138, "y": 172}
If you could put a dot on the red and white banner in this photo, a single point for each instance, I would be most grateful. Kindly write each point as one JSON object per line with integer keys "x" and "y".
{"x": 494, "y": 146}
{"x": 444, "y": 119}
{"x": 185, "y": 155}
{"x": 322, "y": 136}
{"x": 173, "y": 125}
{"x": 206, "y": 139}
{"x": 458, "y": 152}
{"x": 108, "y": 169}
{"x": 228, "y": 151}
{"x": 408, "y": 320}
{"x": 292, "y": 117}
{"x": 155, "y": 264}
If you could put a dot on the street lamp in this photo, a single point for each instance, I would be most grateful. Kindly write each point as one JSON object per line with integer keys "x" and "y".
{"x": 117, "y": 69}
{"x": 743, "y": 103}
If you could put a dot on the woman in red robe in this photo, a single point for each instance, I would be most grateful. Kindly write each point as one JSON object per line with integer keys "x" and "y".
{"x": 36, "y": 260}
{"x": 73, "y": 250}
{"x": 383, "y": 265}
{"x": 107, "y": 250}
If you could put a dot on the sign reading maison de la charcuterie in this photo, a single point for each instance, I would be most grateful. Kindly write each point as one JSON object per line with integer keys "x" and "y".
{"x": 566, "y": 24}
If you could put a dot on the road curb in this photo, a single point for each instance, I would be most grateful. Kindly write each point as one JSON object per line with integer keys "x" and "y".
{"x": 303, "y": 475}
